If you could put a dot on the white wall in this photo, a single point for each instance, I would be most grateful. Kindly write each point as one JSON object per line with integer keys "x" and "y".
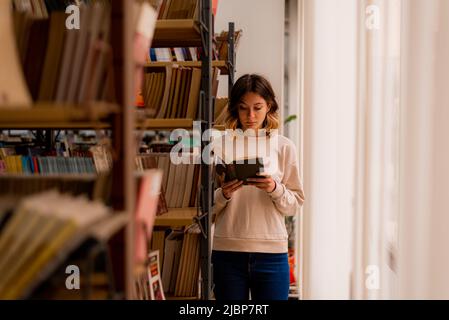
{"x": 261, "y": 47}
{"x": 329, "y": 144}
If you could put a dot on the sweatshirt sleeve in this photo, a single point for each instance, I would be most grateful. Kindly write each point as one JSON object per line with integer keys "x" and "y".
{"x": 288, "y": 195}
{"x": 220, "y": 202}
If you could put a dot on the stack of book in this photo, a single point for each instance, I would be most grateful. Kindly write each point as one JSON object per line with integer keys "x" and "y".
{"x": 43, "y": 230}
{"x": 62, "y": 64}
{"x": 173, "y": 91}
{"x": 179, "y": 182}
{"x": 180, "y": 266}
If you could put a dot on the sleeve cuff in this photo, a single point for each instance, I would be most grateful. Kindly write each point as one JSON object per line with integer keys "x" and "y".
{"x": 220, "y": 198}
{"x": 278, "y": 191}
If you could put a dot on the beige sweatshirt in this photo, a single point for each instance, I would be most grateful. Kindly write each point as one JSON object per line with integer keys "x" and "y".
{"x": 254, "y": 220}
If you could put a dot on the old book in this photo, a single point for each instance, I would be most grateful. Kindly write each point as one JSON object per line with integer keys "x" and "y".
{"x": 157, "y": 92}
{"x": 80, "y": 53}
{"x": 170, "y": 78}
{"x": 150, "y": 162}
{"x": 194, "y": 93}
{"x": 177, "y": 258}
{"x": 185, "y": 100}
{"x": 195, "y": 186}
{"x": 177, "y": 88}
{"x": 146, "y": 207}
{"x": 148, "y": 90}
{"x": 13, "y": 88}
{"x": 172, "y": 250}
{"x": 164, "y": 164}
{"x": 154, "y": 276}
{"x": 183, "y": 85}
{"x": 193, "y": 266}
{"x": 89, "y": 64}
{"x": 174, "y": 186}
{"x": 188, "y": 185}
{"x": 53, "y": 56}
{"x": 240, "y": 169}
{"x": 181, "y": 184}
{"x": 100, "y": 62}
{"x": 181, "y": 274}
{"x": 34, "y": 54}
{"x": 152, "y": 83}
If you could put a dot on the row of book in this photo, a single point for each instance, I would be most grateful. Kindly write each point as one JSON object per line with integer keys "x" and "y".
{"x": 61, "y": 64}
{"x": 45, "y": 228}
{"x": 95, "y": 160}
{"x": 180, "y": 182}
{"x": 174, "y": 54}
{"x": 219, "y": 51}
{"x": 39, "y": 235}
{"x": 180, "y": 261}
{"x": 173, "y": 91}
{"x": 47, "y": 165}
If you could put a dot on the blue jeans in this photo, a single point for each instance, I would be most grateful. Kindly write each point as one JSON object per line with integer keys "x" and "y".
{"x": 235, "y": 274}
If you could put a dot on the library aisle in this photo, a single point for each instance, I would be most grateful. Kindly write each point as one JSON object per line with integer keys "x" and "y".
{"x": 91, "y": 94}
{"x": 109, "y": 109}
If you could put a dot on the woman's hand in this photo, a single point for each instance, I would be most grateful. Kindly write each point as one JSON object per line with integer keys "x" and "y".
{"x": 265, "y": 183}
{"x": 230, "y": 187}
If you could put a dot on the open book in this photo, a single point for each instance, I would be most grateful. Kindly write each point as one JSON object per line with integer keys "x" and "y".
{"x": 240, "y": 169}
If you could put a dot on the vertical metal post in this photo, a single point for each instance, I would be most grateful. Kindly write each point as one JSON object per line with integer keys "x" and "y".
{"x": 206, "y": 124}
{"x": 231, "y": 57}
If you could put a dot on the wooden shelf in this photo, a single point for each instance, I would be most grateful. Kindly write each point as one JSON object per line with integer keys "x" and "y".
{"x": 67, "y": 176}
{"x": 51, "y": 115}
{"x": 176, "y": 33}
{"x": 170, "y": 296}
{"x": 167, "y": 124}
{"x": 192, "y": 64}
{"x": 176, "y": 217}
{"x": 98, "y": 125}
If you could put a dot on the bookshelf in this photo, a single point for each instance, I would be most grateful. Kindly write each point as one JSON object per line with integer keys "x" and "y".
{"x": 119, "y": 119}
{"x": 222, "y": 65}
{"x": 187, "y": 33}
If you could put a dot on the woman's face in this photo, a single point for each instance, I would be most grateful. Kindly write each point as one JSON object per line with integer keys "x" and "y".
{"x": 252, "y": 111}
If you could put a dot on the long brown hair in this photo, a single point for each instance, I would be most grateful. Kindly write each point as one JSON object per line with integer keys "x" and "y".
{"x": 256, "y": 84}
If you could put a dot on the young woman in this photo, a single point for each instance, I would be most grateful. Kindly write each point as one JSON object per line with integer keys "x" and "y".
{"x": 250, "y": 244}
